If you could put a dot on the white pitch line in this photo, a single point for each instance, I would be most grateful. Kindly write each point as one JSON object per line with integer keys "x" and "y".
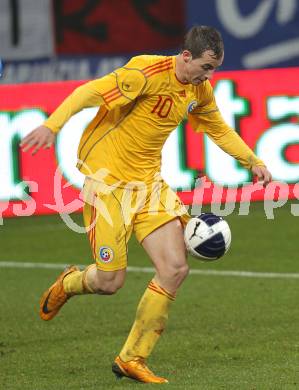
{"x": 208, "y": 272}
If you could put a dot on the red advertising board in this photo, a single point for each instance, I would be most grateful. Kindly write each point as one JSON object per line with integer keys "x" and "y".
{"x": 262, "y": 105}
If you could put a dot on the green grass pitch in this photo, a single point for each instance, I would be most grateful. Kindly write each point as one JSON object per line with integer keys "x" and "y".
{"x": 224, "y": 332}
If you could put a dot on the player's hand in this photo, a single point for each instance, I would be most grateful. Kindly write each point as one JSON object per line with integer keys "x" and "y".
{"x": 262, "y": 174}
{"x": 41, "y": 137}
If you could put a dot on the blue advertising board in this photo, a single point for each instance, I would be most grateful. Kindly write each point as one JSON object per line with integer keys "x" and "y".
{"x": 256, "y": 33}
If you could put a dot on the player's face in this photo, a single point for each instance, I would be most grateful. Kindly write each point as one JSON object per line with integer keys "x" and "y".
{"x": 200, "y": 69}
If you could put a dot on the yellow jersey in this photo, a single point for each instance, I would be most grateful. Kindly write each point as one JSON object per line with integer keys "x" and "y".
{"x": 140, "y": 104}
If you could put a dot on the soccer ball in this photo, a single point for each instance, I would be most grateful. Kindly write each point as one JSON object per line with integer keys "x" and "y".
{"x": 207, "y": 236}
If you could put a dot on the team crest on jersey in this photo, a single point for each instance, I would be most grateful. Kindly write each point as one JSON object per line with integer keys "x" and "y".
{"x": 191, "y": 106}
{"x": 106, "y": 254}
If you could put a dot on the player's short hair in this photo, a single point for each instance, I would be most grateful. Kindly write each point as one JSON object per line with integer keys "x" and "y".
{"x": 201, "y": 38}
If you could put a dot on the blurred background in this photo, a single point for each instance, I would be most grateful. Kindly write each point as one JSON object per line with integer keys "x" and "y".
{"x": 44, "y": 40}
{"x": 80, "y": 39}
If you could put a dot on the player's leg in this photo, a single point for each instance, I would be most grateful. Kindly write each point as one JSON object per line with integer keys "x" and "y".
{"x": 71, "y": 282}
{"x": 161, "y": 235}
{"x": 166, "y": 248}
{"x": 109, "y": 247}
{"x": 97, "y": 281}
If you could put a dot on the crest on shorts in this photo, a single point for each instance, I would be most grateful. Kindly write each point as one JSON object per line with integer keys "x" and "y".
{"x": 191, "y": 106}
{"x": 106, "y": 254}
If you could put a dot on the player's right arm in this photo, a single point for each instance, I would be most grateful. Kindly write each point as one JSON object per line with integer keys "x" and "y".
{"x": 41, "y": 137}
{"x": 118, "y": 88}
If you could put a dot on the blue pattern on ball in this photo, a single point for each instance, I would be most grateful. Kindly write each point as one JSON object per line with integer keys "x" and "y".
{"x": 214, "y": 247}
{"x": 210, "y": 218}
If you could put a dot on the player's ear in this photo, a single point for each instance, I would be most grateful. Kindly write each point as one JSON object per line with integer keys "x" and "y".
{"x": 187, "y": 56}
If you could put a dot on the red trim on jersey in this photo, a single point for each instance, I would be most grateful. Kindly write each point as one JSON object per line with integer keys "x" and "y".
{"x": 90, "y": 223}
{"x": 93, "y": 230}
{"x": 113, "y": 97}
{"x": 105, "y": 94}
{"x": 168, "y": 65}
{"x": 181, "y": 82}
{"x": 157, "y": 68}
{"x": 160, "y": 70}
{"x": 156, "y": 64}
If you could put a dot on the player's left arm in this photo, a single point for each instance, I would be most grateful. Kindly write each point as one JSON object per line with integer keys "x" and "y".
{"x": 207, "y": 117}
{"x": 262, "y": 173}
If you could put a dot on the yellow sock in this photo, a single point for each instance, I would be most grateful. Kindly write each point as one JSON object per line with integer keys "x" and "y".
{"x": 75, "y": 283}
{"x": 151, "y": 318}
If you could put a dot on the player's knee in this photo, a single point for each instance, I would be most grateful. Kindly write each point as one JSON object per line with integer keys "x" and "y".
{"x": 176, "y": 270}
{"x": 181, "y": 272}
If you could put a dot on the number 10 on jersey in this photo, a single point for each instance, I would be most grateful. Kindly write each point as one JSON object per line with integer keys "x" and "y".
{"x": 163, "y": 106}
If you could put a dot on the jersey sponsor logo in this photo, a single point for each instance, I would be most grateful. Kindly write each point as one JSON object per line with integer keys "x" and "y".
{"x": 106, "y": 254}
{"x": 191, "y": 106}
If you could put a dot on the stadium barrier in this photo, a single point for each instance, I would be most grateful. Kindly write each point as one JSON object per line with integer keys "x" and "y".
{"x": 263, "y": 106}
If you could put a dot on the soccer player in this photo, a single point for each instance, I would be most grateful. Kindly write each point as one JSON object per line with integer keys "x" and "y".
{"x": 139, "y": 104}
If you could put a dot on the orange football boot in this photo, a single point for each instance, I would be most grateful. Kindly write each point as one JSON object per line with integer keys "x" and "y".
{"x": 135, "y": 369}
{"x": 55, "y": 297}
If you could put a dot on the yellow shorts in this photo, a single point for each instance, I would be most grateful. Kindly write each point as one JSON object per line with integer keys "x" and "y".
{"x": 111, "y": 214}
